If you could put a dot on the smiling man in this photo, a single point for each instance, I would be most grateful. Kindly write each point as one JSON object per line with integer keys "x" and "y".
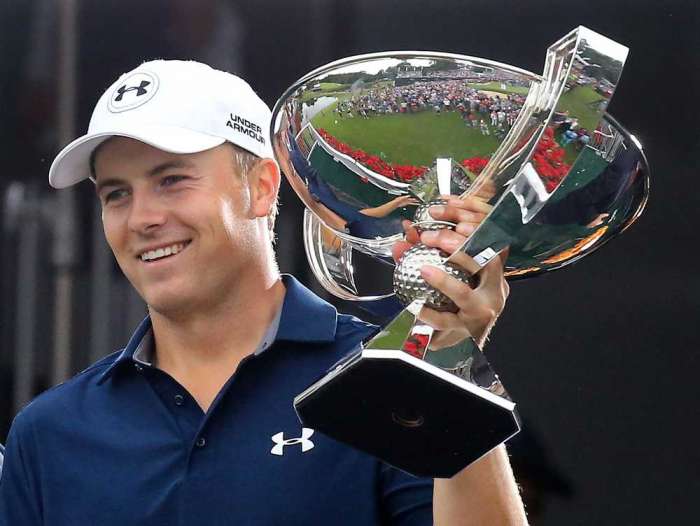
{"x": 192, "y": 422}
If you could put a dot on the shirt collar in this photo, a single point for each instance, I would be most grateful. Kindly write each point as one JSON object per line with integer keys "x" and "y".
{"x": 140, "y": 337}
{"x": 304, "y": 317}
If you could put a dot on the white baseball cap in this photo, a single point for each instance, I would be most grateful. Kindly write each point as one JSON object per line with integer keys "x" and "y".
{"x": 173, "y": 105}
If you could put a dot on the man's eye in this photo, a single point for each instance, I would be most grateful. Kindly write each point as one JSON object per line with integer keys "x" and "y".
{"x": 170, "y": 180}
{"x": 115, "y": 195}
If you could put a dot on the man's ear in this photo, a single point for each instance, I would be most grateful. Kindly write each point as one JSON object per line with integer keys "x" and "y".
{"x": 264, "y": 181}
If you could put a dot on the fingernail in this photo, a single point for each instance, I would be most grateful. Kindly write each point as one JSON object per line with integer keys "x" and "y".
{"x": 437, "y": 209}
{"x": 428, "y": 272}
{"x": 465, "y": 228}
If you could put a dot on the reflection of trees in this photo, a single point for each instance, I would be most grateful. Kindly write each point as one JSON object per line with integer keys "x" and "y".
{"x": 602, "y": 66}
{"x": 350, "y": 78}
{"x": 443, "y": 65}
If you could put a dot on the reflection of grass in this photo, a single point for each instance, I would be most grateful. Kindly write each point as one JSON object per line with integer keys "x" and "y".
{"x": 496, "y": 86}
{"x": 394, "y": 334}
{"x": 409, "y": 138}
{"x": 570, "y": 150}
{"x": 330, "y": 86}
{"x": 582, "y": 102}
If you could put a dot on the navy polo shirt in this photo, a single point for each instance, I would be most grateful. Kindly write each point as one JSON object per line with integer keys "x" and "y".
{"x": 122, "y": 443}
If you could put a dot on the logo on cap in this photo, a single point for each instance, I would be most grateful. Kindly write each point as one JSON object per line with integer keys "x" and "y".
{"x": 246, "y": 127}
{"x": 134, "y": 91}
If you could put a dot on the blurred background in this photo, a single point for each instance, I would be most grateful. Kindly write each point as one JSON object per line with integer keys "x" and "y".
{"x": 601, "y": 357}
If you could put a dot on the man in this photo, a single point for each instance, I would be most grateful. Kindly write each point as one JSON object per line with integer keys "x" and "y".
{"x": 192, "y": 423}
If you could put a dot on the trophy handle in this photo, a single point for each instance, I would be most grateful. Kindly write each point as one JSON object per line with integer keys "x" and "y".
{"x": 510, "y": 169}
{"x": 330, "y": 258}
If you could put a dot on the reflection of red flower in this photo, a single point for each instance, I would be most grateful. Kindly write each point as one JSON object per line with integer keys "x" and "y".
{"x": 549, "y": 160}
{"x": 415, "y": 345}
{"x": 407, "y": 172}
{"x": 475, "y": 164}
{"x": 404, "y": 173}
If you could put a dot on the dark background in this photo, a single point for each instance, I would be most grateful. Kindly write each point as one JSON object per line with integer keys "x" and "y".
{"x": 601, "y": 357}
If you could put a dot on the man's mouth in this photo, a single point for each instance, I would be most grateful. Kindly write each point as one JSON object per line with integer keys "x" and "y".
{"x": 163, "y": 252}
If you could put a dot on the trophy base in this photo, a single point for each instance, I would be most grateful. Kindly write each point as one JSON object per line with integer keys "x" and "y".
{"x": 411, "y": 414}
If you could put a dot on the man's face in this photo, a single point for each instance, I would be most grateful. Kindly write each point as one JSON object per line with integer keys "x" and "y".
{"x": 180, "y": 226}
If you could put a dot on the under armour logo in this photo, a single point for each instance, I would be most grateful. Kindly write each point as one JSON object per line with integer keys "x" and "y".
{"x": 140, "y": 90}
{"x": 133, "y": 91}
{"x": 280, "y": 442}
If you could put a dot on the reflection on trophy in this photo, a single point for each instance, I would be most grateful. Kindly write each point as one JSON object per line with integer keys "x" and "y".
{"x": 372, "y": 141}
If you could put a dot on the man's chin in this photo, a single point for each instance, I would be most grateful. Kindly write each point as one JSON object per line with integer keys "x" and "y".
{"x": 168, "y": 304}
{"x": 171, "y": 311}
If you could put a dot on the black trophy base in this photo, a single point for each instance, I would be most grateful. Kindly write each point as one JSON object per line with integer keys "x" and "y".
{"x": 408, "y": 413}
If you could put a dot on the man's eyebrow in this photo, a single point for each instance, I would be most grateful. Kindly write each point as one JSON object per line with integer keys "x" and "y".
{"x": 167, "y": 165}
{"x": 156, "y": 170}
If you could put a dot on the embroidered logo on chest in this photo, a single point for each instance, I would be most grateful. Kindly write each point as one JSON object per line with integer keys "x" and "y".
{"x": 303, "y": 440}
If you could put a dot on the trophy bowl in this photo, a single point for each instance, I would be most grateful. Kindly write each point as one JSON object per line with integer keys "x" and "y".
{"x": 371, "y": 142}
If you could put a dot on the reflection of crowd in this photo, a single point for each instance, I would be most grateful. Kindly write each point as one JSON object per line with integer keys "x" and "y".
{"x": 487, "y": 112}
{"x": 569, "y": 132}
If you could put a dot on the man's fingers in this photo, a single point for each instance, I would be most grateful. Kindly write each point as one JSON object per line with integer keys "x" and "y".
{"x": 445, "y": 239}
{"x": 503, "y": 254}
{"x": 485, "y": 192}
{"x": 457, "y": 215}
{"x": 454, "y": 204}
{"x": 450, "y": 242}
{"x": 458, "y": 291}
{"x": 410, "y": 232}
{"x": 473, "y": 311}
{"x": 470, "y": 203}
{"x": 399, "y": 248}
{"x": 440, "y": 321}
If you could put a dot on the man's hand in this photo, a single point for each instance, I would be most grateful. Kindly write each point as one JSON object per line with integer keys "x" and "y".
{"x": 485, "y": 492}
{"x": 479, "y": 307}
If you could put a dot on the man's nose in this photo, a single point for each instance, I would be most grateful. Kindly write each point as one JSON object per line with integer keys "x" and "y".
{"x": 146, "y": 212}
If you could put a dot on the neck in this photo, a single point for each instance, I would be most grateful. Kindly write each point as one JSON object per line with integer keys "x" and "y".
{"x": 202, "y": 342}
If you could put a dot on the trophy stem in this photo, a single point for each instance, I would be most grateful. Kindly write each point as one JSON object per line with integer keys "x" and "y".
{"x": 432, "y": 411}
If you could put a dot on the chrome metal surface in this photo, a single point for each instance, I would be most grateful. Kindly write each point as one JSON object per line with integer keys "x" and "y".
{"x": 371, "y": 142}
{"x": 358, "y": 135}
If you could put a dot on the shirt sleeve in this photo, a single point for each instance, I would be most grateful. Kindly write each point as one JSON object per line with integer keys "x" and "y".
{"x": 19, "y": 497}
{"x": 406, "y": 500}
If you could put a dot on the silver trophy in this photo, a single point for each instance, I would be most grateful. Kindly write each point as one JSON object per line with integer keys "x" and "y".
{"x": 371, "y": 141}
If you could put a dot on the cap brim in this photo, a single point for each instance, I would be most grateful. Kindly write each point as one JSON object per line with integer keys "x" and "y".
{"x": 72, "y": 164}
